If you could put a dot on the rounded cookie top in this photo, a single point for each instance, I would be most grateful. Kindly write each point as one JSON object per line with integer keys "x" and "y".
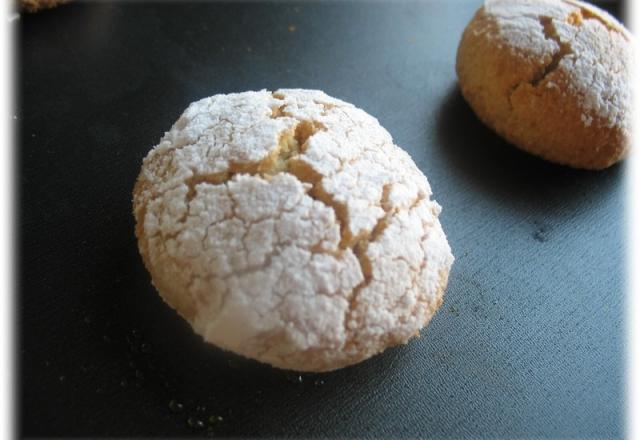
{"x": 289, "y": 228}
{"x": 551, "y": 76}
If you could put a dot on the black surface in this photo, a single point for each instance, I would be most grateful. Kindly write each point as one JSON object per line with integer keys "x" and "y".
{"x": 529, "y": 341}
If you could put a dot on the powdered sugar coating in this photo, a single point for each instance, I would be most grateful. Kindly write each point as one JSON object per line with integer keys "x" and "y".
{"x": 590, "y": 47}
{"x": 289, "y": 228}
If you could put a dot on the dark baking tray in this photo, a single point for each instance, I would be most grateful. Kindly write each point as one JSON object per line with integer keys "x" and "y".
{"x": 529, "y": 341}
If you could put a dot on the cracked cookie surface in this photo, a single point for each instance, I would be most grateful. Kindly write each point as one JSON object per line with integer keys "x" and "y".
{"x": 552, "y": 77}
{"x": 288, "y": 227}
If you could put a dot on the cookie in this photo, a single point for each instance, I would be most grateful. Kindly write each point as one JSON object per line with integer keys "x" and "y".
{"x": 287, "y": 227}
{"x": 39, "y": 5}
{"x": 552, "y": 77}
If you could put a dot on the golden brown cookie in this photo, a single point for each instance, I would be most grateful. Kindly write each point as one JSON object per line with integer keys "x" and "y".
{"x": 38, "y": 5}
{"x": 552, "y": 77}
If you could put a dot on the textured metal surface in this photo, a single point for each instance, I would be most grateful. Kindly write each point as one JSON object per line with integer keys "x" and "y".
{"x": 529, "y": 341}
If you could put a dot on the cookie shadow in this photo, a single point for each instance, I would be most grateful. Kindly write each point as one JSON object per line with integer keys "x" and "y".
{"x": 486, "y": 163}
{"x": 252, "y": 398}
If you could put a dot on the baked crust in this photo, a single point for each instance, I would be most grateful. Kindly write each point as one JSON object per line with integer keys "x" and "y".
{"x": 551, "y": 77}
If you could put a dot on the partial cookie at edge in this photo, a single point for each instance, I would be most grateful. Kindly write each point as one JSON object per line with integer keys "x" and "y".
{"x": 550, "y": 77}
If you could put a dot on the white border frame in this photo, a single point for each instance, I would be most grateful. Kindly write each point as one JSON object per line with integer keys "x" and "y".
{"x": 8, "y": 398}
{"x": 7, "y": 309}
